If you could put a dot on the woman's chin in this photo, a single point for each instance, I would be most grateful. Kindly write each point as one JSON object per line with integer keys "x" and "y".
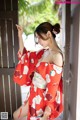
{"x": 46, "y": 47}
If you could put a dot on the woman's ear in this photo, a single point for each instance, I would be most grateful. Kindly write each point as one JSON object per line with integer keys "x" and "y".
{"x": 49, "y": 34}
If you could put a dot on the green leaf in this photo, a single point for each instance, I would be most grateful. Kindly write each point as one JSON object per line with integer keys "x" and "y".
{"x": 33, "y": 12}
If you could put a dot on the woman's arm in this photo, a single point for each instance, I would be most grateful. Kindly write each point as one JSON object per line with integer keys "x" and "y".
{"x": 20, "y": 31}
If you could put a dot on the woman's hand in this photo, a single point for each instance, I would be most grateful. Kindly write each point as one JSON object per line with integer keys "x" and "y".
{"x": 43, "y": 118}
{"x": 47, "y": 113}
{"x": 20, "y": 30}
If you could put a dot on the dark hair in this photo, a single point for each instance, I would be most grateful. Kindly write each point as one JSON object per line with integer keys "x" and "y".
{"x": 45, "y": 27}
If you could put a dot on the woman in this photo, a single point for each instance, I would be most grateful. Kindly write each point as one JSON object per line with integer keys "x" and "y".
{"x": 41, "y": 70}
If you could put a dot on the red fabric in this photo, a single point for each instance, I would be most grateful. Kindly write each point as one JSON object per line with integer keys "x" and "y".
{"x": 40, "y": 98}
{"x": 27, "y": 62}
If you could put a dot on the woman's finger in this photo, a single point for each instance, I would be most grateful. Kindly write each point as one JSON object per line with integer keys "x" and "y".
{"x": 18, "y": 27}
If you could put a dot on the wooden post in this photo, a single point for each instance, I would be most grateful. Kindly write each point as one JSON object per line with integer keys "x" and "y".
{"x": 67, "y": 62}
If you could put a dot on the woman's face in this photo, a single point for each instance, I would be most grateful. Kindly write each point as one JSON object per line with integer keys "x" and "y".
{"x": 43, "y": 42}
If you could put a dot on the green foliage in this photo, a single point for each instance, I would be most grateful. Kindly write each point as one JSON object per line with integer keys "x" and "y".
{"x": 33, "y": 12}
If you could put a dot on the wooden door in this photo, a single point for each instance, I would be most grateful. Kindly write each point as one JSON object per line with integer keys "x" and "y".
{"x": 10, "y": 96}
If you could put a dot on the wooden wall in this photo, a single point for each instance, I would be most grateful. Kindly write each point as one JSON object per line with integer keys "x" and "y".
{"x": 10, "y": 96}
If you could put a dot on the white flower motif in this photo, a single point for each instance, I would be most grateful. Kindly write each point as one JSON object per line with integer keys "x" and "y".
{"x": 58, "y": 97}
{"x": 57, "y": 69}
{"x": 32, "y": 60}
{"x": 48, "y": 78}
{"x": 44, "y": 94}
{"x": 46, "y": 91}
{"x": 33, "y": 102}
{"x": 45, "y": 98}
{"x": 35, "y": 88}
{"x": 39, "y": 112}
{"x": 46, "y": 64}
{"x": 38, "y": 64}
{"x": 52, "y": 73}
{"x": 38, "y": 99}
{"x": 26, "y": 69}
{"x": 20, "y": 76}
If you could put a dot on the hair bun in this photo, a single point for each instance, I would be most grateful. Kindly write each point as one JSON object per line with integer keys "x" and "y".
{"x": 56, "y": 28}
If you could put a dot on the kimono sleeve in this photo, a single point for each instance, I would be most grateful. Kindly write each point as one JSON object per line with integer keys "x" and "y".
{"x": 25, "y": 68}
{"x": 53, "y": 93}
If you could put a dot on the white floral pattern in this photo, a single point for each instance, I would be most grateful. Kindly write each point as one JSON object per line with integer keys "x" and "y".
{"x": 58, "y": 97}
{"x": 46, "y": 91}
{"x": 52, "y": 73}
{"x": 46, "y": 64}
{"x": 26, "y": 69}
{"x": 45, "y": 79}
{"x": 35, "y": 88}
{"x": 20, "y": 76}
{"x": 57, "y": 69}
{"x": 38, "y": 64}
{"x": 33, "y": 102}
{"x": 36, "y": 100}
{"x": 48, "y": 78}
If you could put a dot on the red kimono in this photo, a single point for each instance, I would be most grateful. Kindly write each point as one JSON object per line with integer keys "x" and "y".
{"x": 45, "y": 80}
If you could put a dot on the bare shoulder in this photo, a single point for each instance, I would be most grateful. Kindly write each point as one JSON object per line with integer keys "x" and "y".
{"x": 57, "y": 59}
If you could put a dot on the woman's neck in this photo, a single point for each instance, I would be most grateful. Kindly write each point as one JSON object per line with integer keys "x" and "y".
{"x": 53, "y": 46}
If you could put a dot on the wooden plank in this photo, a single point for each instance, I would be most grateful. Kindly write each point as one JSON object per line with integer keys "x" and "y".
{"x": 10, "y": 42}
{"x": 4, "y": 43}
{"x": 7, "y": 94}
{"x": 67, "y": 61}
{"x": 15, "y": 5}
{"x": 15, "y": 38}
{"x": 2, "y": 106}
{"x": 0, "y": 45}
{"x": 7, "y": 14}
{"x": 6, "y": 71}
{"x": 8, "y": 5}
{"x": 13, "y": 94}
{"x": 18, "y": 91}
{"x": 2, "y": 5}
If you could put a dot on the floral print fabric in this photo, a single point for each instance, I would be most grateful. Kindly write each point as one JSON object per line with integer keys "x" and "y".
{"x": 50, "y": 95}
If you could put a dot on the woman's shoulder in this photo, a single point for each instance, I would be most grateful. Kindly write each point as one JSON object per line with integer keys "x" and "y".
{"x": 57, "y": 58}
